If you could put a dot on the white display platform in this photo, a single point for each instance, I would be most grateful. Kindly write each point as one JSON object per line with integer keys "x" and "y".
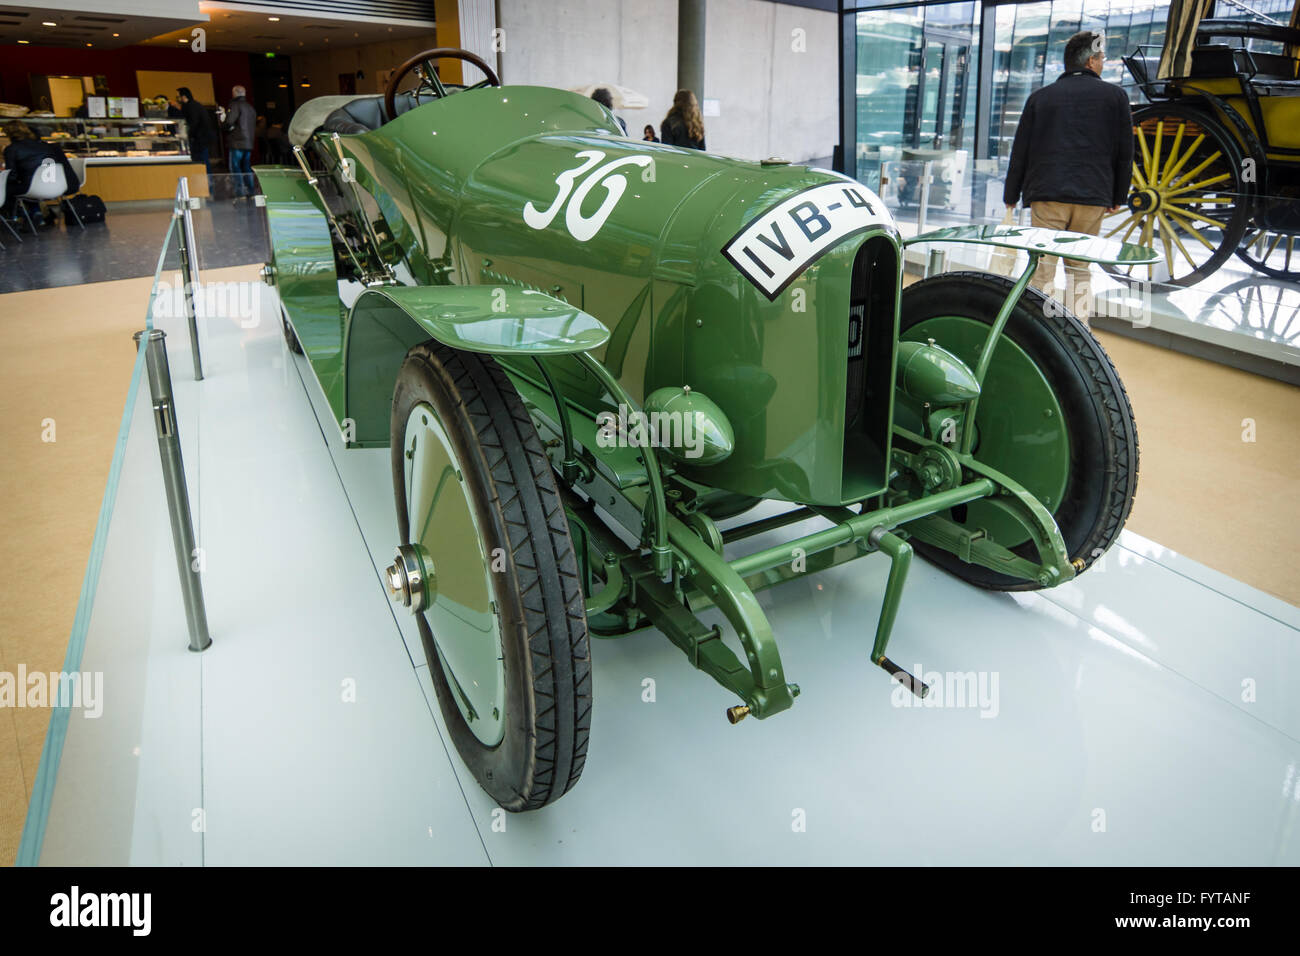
{"x": 1122, "y": 733}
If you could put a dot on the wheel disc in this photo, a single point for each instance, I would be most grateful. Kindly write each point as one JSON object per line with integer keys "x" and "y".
{"x": 1020, "y": 427}
{"x": 461, "y": 611}
{"x": 1186, "y": 200}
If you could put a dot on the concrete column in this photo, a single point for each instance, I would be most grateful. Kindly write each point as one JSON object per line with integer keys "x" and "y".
{"x": 469, "y": 25}
{"x": 690, "y": 46}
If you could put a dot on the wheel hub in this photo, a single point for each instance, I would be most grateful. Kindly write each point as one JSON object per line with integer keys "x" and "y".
{"x": 1144, "y": 200}
{"x": 411, "y": 580}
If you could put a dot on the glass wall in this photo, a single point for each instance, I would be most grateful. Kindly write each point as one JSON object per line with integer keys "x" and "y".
{"x": 917, "y": 70}
{"x": 916, "y": 76}
{"x": 916, "y": 95}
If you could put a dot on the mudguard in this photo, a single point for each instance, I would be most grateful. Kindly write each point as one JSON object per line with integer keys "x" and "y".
{"x": 1052, "y": 242}
{"x": 496, "y": 320}
{"x": 386, "y": 322}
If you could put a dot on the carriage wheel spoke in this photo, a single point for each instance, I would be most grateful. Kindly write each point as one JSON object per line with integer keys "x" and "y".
{"x": 1131, "y": 219}
{"x": 1182, "y": 161}
{"x": 1163, "y": 229}
{"x": 1193, "y": 214}
{"x": 1178, "y": 217}
{"x": 1172, "y": 166}
{"x": 1197, "y": 170}
{"x": 1203, "y": 184}
{"x": 1155, "y": 152}
{"x": 1146, "y": 153}
{"x": 1167, "y": 226}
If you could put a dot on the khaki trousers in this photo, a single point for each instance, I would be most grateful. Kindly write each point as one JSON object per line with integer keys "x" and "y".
{"x": 1074, "y": 217}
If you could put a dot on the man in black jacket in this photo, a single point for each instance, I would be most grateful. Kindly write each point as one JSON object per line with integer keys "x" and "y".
{"x": 1072, "y": 158}
{"x": 199, "y": 126}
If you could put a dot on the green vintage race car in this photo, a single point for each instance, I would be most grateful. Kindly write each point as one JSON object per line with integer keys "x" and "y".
{"x": 588, "y": 353}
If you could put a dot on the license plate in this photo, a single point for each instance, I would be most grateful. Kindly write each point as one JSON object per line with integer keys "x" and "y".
{"x": 784, "y": 240}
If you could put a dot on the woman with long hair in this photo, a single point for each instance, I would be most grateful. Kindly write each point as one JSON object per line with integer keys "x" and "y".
{"x": 683, "y": 126}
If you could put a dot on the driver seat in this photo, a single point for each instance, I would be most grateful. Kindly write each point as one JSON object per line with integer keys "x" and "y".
{"x": 364, "y": 114}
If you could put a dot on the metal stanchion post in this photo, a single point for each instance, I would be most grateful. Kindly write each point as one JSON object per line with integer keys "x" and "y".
{"x": 178, "y": 498}
{"x": 189, "y": 269}
{"x": 925, "y": 195}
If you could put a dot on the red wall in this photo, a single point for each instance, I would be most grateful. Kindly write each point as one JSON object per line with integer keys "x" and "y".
{"x": 118, "y": 66}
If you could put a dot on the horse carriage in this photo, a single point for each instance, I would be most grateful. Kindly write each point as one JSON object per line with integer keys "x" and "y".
{"x": 1216, "y": 168}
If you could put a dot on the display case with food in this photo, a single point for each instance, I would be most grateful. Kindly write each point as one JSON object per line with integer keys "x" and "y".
{"x": 115, "y": 138}
{"x": 124, "y": 158}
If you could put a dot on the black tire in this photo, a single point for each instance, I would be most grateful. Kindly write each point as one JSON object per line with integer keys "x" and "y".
{"x": 545, "y": 646}
{"x": 1103, "y": 468}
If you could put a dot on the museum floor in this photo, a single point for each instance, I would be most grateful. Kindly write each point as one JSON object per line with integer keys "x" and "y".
{"x": 65, "y": 354}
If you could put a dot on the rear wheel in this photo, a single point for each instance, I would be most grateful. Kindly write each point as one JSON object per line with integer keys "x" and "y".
{"x": 1053, "y": 415}
{"x": 489, "y": 568}
{"x": 1271, "y": 244}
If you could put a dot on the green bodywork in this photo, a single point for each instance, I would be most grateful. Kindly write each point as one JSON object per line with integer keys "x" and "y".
{"x": 519, "y": 222}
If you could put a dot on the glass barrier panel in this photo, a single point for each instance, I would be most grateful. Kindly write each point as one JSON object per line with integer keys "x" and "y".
{"x": 119, "y": 779}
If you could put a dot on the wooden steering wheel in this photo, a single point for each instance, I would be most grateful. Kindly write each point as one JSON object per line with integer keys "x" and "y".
{"x": 429, "y": 82}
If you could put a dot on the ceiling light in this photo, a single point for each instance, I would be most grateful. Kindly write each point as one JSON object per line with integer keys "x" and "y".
{"x": 24, "y": 41}
{"x": 274, "y": 19}
{"x": 117, "y": 34}
{"x": 90, "y": 44}
{"x": 48, "y": 23}
{"x": 284, "y": 86}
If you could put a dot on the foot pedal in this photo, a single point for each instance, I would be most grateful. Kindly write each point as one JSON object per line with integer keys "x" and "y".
{"x": 913, "y": 684}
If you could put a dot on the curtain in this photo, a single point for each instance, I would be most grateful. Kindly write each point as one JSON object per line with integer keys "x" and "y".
{"x": 1180, "y": 36}
{"x": 1293, "y": 49}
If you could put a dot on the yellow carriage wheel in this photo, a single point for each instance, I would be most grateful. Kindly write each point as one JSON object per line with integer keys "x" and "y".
{"x": 1186, "y": 199}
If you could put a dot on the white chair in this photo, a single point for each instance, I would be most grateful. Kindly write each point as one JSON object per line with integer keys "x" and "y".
{"x": 4, "y": 191}
{"x": 78, "y": 164}
{"x": 49, "y": 182}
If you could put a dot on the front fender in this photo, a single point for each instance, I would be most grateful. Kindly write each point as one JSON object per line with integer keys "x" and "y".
{"x": 1052, "y": 242}
{"x": 386, "y": 322}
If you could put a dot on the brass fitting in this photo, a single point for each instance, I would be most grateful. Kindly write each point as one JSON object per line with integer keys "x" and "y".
{"x": 738, "y": 713}
{"x": 1078, "y": 565}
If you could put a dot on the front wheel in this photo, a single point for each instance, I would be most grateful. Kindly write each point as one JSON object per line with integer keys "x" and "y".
{"x": 488, "y": 567}
{"x": 1053, "y": 416}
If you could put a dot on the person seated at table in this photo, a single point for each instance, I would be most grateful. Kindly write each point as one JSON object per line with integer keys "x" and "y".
{"x": 23, "y": 157}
